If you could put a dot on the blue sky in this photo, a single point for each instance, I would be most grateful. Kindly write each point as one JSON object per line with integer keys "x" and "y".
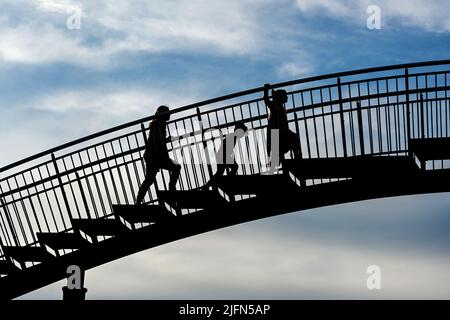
{"x": 128, "y": 57}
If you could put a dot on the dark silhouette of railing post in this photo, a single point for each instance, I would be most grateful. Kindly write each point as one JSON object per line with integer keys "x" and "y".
{"x": 205, "y": 145}
{"x": 9, "y": 221}
{"x": 13, "y": 230}
{"x": 422, "y": 118}
{"x": 360, "y": 127}
{"x": 2, "y": 245}
{"x": 408, "y": 115}
{"x": 58, "y": 175}
{"x": 83, "y": 196}
{"x": 422, "y": 126}
{"x": 6, "y": 256}
{"x": 341, "y": 113}
{"x": 144, "y": 135}
{"x": 300, "y": 155}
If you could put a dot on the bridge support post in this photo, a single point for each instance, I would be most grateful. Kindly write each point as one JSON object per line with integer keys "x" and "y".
{"x": 74, "y": 290}
{"x": 74, "y": 294}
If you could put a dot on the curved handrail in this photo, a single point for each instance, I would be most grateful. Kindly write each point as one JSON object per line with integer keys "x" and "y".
{"x": 227, "y": 97}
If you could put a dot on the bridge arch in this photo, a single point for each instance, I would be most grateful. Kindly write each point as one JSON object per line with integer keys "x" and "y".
{"x": 364, "y": 134}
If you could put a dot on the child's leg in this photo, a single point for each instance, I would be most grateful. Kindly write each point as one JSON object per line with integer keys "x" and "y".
{"x": 233, "y": 168}
{"x": 150, "y": 176}
{"x": 220, "y": 171}
{"x": 174, "y": 169}
{"x": 295, "y": 144}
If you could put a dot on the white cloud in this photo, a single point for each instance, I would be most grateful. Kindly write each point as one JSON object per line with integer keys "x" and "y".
{"x": 223, "y": 28}
{"x": 429, "y": 15}
{"x": 294, "y": 70}
{"x": 226, "y": 28}
{"x": 45, "y": 44}
{"x": 337, "y": 8}
{"x": 235, "y": 27}
{"x": 60, "y": 6}
{"x": 125, "y": 104}
{"x": 113, "y": 103}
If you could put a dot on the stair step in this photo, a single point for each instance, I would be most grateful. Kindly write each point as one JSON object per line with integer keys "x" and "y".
{"x": 7, "y": 267}
{"x": 351, "y": 167}
{"x": 61, "y": 240}
{"x": 277, "y": 184}
{"x": 142, "y": 213}
{"x": 100, "y": 227}
{"x": 430, "y": 148}
{"x": 192, "y": 199}
{"x": 27, "y": 254}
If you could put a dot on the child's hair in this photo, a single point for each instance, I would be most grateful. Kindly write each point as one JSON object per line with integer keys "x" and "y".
{"x": 162, "y": 109}
{"x": 241, "y": 126}
{"x": 277, "y": 94}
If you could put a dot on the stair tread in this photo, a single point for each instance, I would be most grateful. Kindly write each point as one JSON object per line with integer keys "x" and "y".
{"x": 359, "y": 166}
{"x": 27, "y": 254}
{"x": 256, "y": 184}
{"x": 6, "y": 267}
{"x": 192, "y": 199}
{"x": 142, "y": 213}
{"x": 430, "y": 148}
{"x": 61, "y": 240}
{"x": 99, "y": 227}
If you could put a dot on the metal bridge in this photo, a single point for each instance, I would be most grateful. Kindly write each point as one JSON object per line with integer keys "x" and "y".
{"x": 364, "y": 134}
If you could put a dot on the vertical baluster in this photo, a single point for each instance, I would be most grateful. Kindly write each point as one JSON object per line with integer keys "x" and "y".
{"x": 422, "y": 126}
{"x": 10, "y": 223}
{"x": 341, "y": 112}
{"x": 360, "y": 127}
{"x": 408, "y": 120}
{"x": 297, "y": 129}
{"x": 422, "y": 117}
{"x": 83, "y": 196}
{"x": 61, "y": 186}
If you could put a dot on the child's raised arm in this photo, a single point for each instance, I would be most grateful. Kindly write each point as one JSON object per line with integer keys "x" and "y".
{"x": 266, "y": 94}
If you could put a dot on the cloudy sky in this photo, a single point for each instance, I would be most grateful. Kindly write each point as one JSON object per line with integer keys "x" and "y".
{"x": 58, "y": 84}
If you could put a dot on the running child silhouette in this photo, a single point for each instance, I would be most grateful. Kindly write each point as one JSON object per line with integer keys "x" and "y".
{"x": 225, "y": 155}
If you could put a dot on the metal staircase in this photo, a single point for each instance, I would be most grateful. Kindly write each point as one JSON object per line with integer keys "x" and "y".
{"x": 364, "y": 134}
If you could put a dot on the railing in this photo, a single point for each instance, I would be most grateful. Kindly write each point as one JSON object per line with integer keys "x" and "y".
{"x": 364, "y": 112}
